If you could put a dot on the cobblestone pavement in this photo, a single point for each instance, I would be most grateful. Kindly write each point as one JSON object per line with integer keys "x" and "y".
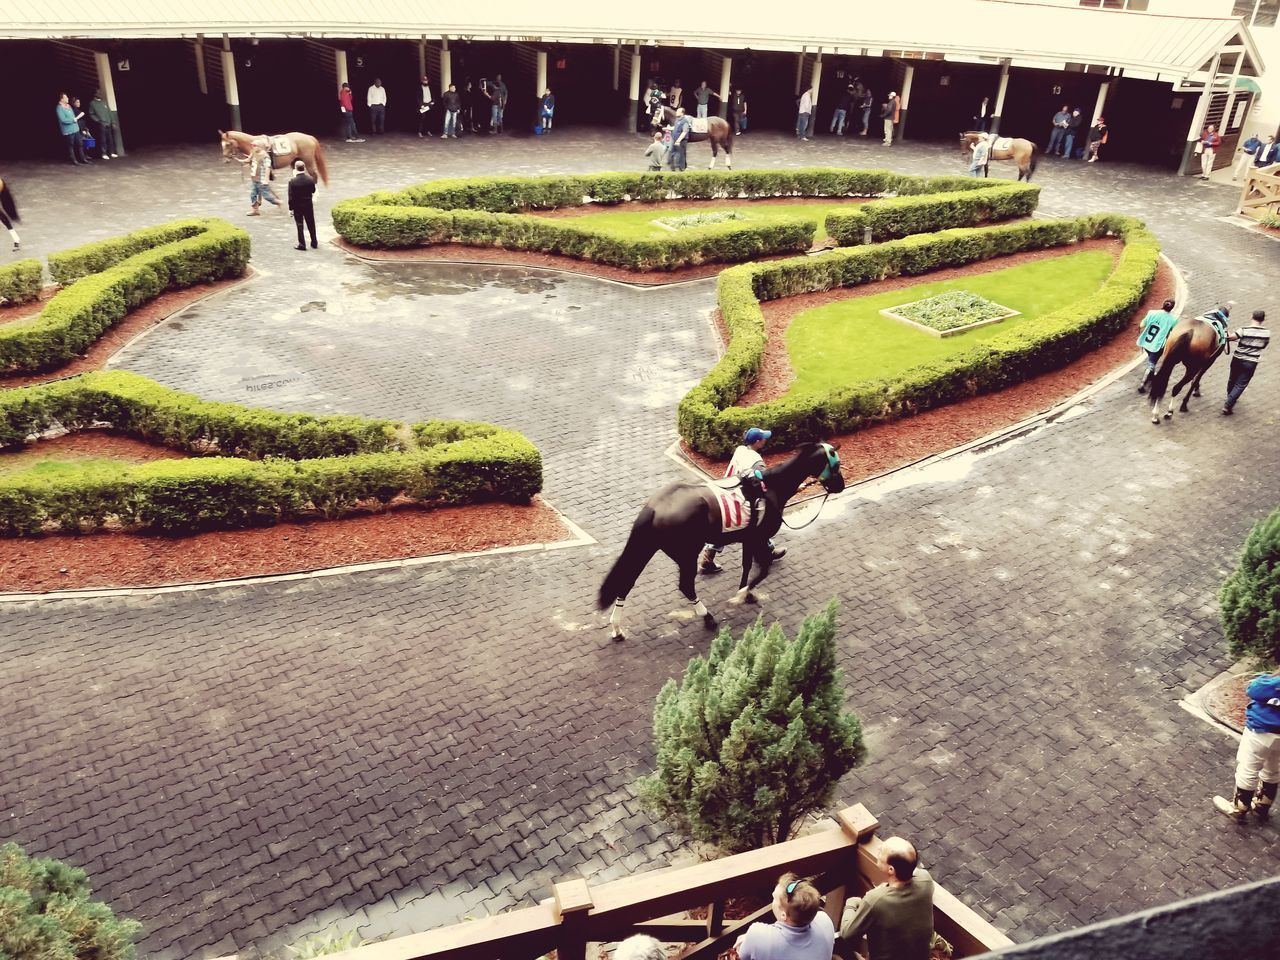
{"x": 394, "y": 750}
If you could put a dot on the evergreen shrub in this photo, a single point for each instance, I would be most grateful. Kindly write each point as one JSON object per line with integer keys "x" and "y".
{"x": 1249, "y": 601}
{"x": 20, "y": 281}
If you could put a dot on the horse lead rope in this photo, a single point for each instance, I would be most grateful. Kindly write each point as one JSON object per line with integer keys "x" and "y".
{"x": 809, "y": 521}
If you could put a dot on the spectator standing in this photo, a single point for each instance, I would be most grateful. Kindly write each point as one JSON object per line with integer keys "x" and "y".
{"x": 452, "y": 105}
{"x": 1250, "y": 342}
{"x": 1207, "y": 147}
{"x": 1268, "y": 154}
{"x": 1248, "y": 152}
{"x": 702, "y": 97}
{"x": 1061, "y": 121}
{"x": 301, "y": 191}
{"x": 1097, "y": 137}
{"x": 377, "y": 101}
{"x": 981, "y": 156}
{"x": 738, "y": 111}
{"x": 982, "y": 119}
{"x": 865, "y": 102}
{"x": 497, "y": 93}
{"x": 69, "y": 127}
{"x": 889, "y": 114}
{"x": 9, "y": 213}
{"x": 1155, "y": 330}
{"x": 675, "y": 99}
{"x": 897, "y": 916}
{"x": 802, "y": 930}
{"x": 260, "y": 179}
{"x": 348, "y": 111}
{"x": 804, "y": 114}
{"x": 1074, "y": 127}
{"x": 104, "y": 130}
{"x": 841, "y": 114}
{"x": 474, "y": 106}
{"x": 83, "y": 124}
{"x": 425, "y": 103}
{"x": 1258, "y": 757}
{"x": 676, "y": 159}
{"x": 656, "y": 152}
{"x": 547, "y": 110}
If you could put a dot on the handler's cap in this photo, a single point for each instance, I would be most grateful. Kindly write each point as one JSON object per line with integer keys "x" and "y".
{"x": 755, "y": 433}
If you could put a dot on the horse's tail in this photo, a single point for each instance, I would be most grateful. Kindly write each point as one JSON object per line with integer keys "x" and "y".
{"x": 321, "y": 167}
{"x": 1174, "y": 348}
{"x": 627, "y": 568}
{"x": 1035, "y": 159}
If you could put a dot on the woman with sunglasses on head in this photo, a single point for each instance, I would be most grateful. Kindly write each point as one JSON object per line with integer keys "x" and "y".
{"x": 802, "y": 932}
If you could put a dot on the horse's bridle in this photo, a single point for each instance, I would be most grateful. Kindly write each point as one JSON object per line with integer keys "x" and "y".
{"x": 833, "y": 464}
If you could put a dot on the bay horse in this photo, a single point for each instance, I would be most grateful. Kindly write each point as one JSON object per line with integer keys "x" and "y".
{"x": 1195, "y": 344}
{"x": 1022, "y": 152}
{"x": 682, "y": 517}
{"x": 719, "y": 134}
{"x": 303, "y": 146}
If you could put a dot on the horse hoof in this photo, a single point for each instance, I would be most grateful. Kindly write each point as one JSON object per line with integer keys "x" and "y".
{"x": 618, "y": 635}
{"x": 1156, "y": 420}
{"x": 735, "y": 601}
{"x": 1169, "y": 415}
{"x": 751, "y": 598}
{"x": 709, "y": 621}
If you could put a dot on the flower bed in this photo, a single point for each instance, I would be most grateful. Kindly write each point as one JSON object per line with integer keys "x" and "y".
{"x": 699, "y": 219}
{"x": 950, "y": 313}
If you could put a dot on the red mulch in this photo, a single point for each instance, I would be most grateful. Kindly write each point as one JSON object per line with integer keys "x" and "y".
{"x": 1227, "y": 701}
{"x": 883, "y": 447}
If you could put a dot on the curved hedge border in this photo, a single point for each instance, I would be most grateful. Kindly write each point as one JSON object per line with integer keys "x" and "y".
{"x": 709, "y": 423}
{"x": 476, "y": 211}
{"x": 109, "y": 278}
{"x": 20, "y": 281}
{"x": 301, "y": 463}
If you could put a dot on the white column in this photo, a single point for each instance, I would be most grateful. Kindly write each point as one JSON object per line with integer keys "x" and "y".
{"x": 1231, "y": 94}
{"x": 1198, "y": 117}
{"x": 904, "y": 101}
{"x": 201, "y": 79}
{"x": 340, "y": 61}
{"x": 815, "y": 81}
{"x": 446, "y": 65}
{"x": 422, "y": 58}
{"x": 633, "y": 91}
{"x": 229, "y": 86}
{"x": 726, "y": 71}
{"x": 998, "y": 110}
{"x": 1101, "y": 101}
{"x": 103, "y": 63}
{"x": 540, "y": 84}
{"x": 617, "y": 62}
{"x": 799, "y": 70}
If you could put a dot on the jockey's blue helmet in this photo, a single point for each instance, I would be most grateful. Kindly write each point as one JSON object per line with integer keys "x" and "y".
{"x": 755, "y": 434}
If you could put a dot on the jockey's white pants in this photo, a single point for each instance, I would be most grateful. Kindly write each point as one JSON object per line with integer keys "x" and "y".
{"x": 1259, "y": 755}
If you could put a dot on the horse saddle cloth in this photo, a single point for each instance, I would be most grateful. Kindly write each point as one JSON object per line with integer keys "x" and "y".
{"x": 699, "y": 124}
{"x": 1219, "y": 324}
{"x": 735, "y": 508}
{"x": 281, "y": 145}
{"x": 1002, "y": 143}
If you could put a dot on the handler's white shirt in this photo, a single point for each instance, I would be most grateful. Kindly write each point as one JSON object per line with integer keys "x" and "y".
{"x": 744, "y": 461}
{"x": 377, "y": 96}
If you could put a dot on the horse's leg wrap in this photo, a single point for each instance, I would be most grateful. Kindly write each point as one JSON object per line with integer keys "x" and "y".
{"x": 615, "y": 621}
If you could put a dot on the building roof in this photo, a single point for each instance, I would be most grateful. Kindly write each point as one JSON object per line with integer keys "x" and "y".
{"x": 1028, "y": 34}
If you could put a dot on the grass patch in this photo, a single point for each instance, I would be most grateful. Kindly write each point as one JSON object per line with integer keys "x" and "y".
{"x": 850, "y": 340}
{"x": 639, "y": 225}
{"x": 64, "y": 468}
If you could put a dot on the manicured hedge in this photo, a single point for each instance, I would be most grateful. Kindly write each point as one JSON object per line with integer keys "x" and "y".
{"x": 484, "y": 211}
{"x": 20, "y": 281}
{"x": 109, "y": 278}
{"x": 326, "y": 464}
{"x": 709, "y": 422}
{"x": 895, "y": 217}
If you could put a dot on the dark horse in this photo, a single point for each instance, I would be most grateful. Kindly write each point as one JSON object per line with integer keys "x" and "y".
{"x": 681, "y": 517}
{"x": 1195, "y": 344}
{"x": 719, "y": 133}
{"x": 1022, "y": 152}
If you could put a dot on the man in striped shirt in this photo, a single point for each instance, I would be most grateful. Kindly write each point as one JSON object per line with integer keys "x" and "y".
{"x": 1250, "y": 342}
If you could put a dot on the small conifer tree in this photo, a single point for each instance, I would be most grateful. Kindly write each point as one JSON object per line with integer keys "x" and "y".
{"x": 755, "y": 737}
{"x": 46, "y": 913}
{"x": 1249, "y": 600}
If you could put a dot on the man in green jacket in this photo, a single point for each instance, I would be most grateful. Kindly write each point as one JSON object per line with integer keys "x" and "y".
{"x": 104, "y": 130}
{"x": 897, "y": 916}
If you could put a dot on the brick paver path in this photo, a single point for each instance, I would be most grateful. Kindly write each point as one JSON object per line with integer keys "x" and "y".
{"x": 240, "y": 765}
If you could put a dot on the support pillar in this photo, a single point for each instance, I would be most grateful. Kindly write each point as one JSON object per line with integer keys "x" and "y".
{"x": 540, "y": 84}
{"x": 1189, "y": 162}
{"x": 229, "y": 86}
{"x": 422, "y": 58}
{"x": 633, "y": 91}
{"x": 998, "y": 111}
{"x": 904, "y": 102}
{"x": 815, "y": 81}
{"x": 108, "y": 87}
{"x": 617, "y": 63}
{"x": 1231, "y": 97}
{"x": 799, "y": 70}
{"x": 340, "y": 62}
{"x": 201, "y": 78}
{"x": 446, "y": 65}
{"x": 726, "y": 69}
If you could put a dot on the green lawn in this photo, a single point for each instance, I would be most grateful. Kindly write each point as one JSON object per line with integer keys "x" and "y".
{"x": 638, "y": 224}
{"x": 66, "y": 467}
{"x": 849, "y": 341}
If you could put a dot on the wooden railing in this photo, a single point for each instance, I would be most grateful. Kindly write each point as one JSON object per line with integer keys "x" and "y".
{"x": 843, "y": 859}
{"x": 1260, "y": 195}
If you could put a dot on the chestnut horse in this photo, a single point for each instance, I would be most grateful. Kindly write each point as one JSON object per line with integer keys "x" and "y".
{"x": 1195, "y": 343}
{"x": 302, "y": 146}
{"x": 719, "y": 134}
{"x": 1022, "y": 152}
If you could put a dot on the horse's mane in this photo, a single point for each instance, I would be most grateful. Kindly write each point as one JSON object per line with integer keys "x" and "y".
{"x": 803, "y": 450}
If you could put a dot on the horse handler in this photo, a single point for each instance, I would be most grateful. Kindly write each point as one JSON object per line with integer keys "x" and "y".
{"x": 746, "y": 461}
{"x": 1155, "y": 330}
{"x": 301, "y": 189}
{"x": 1258, "y": 759}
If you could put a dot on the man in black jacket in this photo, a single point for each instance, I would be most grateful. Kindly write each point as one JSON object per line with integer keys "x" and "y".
{"x": 301, "y": 190}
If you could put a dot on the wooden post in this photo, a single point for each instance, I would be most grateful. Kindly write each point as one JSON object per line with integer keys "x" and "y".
{"x": 715, "y": 919}
{"x": 573, "y": 903}
{"x": 617, "y": 62}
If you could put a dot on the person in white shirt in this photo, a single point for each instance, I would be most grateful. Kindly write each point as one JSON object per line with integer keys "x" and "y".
{"x": 425, "y": 102}
{"x": 805, "y": 115}
{"x": 377, "y": 101}
{"x": 746, "y": 461}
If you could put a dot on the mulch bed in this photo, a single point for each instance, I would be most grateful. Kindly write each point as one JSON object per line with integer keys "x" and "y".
{"x": 1226, "y": 702}
{"x": 885, "y": 446}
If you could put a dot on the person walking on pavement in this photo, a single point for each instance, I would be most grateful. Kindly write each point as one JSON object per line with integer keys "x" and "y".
{"x": 9, "y": 213}
{"x": 1248, "y": 154}
{"x": 745, "y": 462}
{"x": 1061, "y": 120}
{"x": 377, "y": 102}
{"x": 69, "y": 127}
{"x": 889, "y": 115}
{"x": 348, "y": 111}
{"x": 104, "y": 130}
{"x": 1074, "y": 127}
{"x": 804, "y": 114}
{"x": 1207, "y": 147}
{"x": 452, "y": 104}
{"x": 1097, "y": 137}
{"x": 425, "y": 103}
{"x": 260, "y": 179}
{"x": 1250, "y": 342}
{"x": 301, "y": 191}
{"x": 981, "y": 156}
{"x": 1258, "y": 757}
{"x": 1155, "y": 330}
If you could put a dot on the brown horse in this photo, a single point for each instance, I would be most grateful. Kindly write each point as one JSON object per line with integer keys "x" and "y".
{"x": 1195, "y": 344}
{"x": 301, "y": 146}
{"x": 719, "y": 134}
{"x": 1022, "y": 152}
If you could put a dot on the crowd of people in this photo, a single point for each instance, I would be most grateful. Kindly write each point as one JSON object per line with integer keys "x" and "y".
{"x": 86, "y": 129}
{"x": 476, "y": 108}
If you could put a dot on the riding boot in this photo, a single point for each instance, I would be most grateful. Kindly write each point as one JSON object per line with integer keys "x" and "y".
{"x": 1236, "y": 808}
{"x": 1264, "y": 798}
{"x": 709, "y": 564}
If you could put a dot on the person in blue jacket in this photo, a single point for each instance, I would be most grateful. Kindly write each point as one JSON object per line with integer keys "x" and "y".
{"x": 1258, "y": 759}
{"x": 69, "y": 127}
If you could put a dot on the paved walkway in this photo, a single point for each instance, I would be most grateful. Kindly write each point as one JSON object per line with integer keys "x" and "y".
{"x": 399, "y": 749}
